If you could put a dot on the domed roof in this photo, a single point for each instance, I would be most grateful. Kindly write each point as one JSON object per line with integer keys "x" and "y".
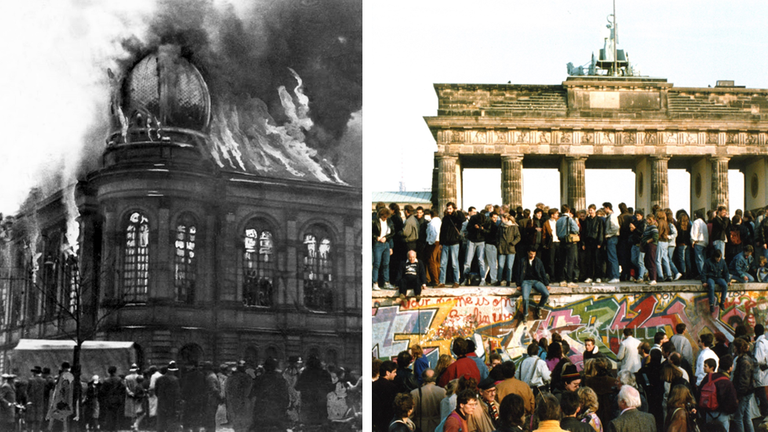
{"x": 168, "y": 89}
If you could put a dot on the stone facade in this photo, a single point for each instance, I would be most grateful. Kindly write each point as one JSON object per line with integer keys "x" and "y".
{"x": 644, "y": 124}
{"x": 189, "y": 260}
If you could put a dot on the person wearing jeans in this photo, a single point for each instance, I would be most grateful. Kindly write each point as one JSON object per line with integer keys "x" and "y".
{"x": 383, "y": 230}
{"x": 477, "y": 228}
{"x": 721, "y": 226}
{"x": 450, "y": 240}
{"x": 699, "y": 240}
{"x": 492, "y": 248}
{"x": 531, "y": 276}
{"x": 508, "y": 239}
{"x": 715, "y": 273}
{"x": 611, "y": 242}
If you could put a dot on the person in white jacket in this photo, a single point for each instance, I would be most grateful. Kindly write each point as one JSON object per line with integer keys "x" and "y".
{"x": 705, "y": 342}
{"x": 761, "y": 374}
{"x": 628, "y": 354}
{"x": 533, "y": 370}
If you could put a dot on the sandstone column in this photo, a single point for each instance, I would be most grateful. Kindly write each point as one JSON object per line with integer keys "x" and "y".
{"x": 512, "y": 180}
{"x": 659, "y": 181}
{"x": 719, "y": 181}
{"x": 577, "y": 192}
{"x": 446, "y": 180}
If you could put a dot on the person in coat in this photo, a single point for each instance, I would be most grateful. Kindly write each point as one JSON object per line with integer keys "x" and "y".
{"x": 62, "y": 399}
{"x": 531, "y": 275}
{"x": 239, "y": 404}
{"x": 412, "y": 275}
{"x": 631, "y": 419}
{"x": 426, "y": 402}
{"x": 36, "y": 409}
{"x": 509, "y": 237}
{"x": 314, "y": 384}
{"x": 383, "y": 230}
{"x": 112, "y": 396}
{"x": 7, "y": 402}
{"x": 132, "y": 402}
{"x": 270, "y": 396}
{"x": 168, "y": 394}
{"x": 403, "y": 406}
{"x": 715, "y": 273}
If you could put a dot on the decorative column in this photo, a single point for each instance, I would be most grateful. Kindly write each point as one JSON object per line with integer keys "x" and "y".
{"x": 512, "y": 180}
{"x": 719, "y": 181}
{"x": 446, "y": 180}
{"x": 659, "y": 181}
{"x": 577, "y": 191}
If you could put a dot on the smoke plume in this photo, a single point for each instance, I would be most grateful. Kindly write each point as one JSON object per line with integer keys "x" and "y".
{"x": 285, "y": 79}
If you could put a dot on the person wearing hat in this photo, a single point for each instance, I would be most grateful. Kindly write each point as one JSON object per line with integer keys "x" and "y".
{"x": 487, "y": 389}
{"x": 62, "y": 401}
{"x": 570, "y": 381}
{"x": 168, "y": 394}
{"x": 291, "y": 375}
{"x": 193, "y": 392}
{"x": 36, "y": 393}
{"x": 7, "y": 402}
{"x": 132, "y": 402}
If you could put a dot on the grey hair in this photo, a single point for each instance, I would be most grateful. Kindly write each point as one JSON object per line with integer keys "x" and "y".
{"x": 627, "y": 378}
{"x": 630, "y": 396}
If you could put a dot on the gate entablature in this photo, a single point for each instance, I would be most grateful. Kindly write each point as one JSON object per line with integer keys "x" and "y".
{"x": 647, "y": 120}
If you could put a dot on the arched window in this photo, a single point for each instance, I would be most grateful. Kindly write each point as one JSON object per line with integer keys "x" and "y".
{"x": 258, "y": 265}
{"x": 185, "y": 259}
{"x": 136, "y": 259}
{"x": 71, "y": 282}
{"x": 317, "y": 271}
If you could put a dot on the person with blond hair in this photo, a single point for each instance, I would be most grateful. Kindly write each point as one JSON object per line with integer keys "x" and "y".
{"x": 420, "y": 362}
{"x": 589, "y": 406}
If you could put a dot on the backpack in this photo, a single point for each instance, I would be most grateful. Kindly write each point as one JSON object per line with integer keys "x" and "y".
{"x": 735, "y": 236}
{"x": 708, "y": 397}
{"x": 441, "y": 427}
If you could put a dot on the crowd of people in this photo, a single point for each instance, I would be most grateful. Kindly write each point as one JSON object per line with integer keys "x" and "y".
{"x": 237, "y": 396}
{"x": 593, "y": 245}
{"x": 668, "y": 386}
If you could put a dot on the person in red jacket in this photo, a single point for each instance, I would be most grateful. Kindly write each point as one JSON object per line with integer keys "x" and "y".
{"x": 462, "y": 366}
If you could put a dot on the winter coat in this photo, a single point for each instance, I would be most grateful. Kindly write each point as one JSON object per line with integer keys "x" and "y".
{"x": 509, "y": 238}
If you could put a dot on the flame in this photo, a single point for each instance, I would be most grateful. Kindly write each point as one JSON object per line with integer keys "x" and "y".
{"x": 246, "y": 137}
{"x": 73, "y": 226}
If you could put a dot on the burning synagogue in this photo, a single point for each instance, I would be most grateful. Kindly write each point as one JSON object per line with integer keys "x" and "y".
{"x": 208, "y": 232}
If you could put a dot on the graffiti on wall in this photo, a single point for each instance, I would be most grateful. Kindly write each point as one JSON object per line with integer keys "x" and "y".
{"x": 433, "y": 322}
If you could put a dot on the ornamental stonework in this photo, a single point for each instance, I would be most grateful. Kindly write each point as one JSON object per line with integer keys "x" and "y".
{"x": 478, "y": 137}
{"x": 500, "y": 137}
{"x": 712, "y": 137}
